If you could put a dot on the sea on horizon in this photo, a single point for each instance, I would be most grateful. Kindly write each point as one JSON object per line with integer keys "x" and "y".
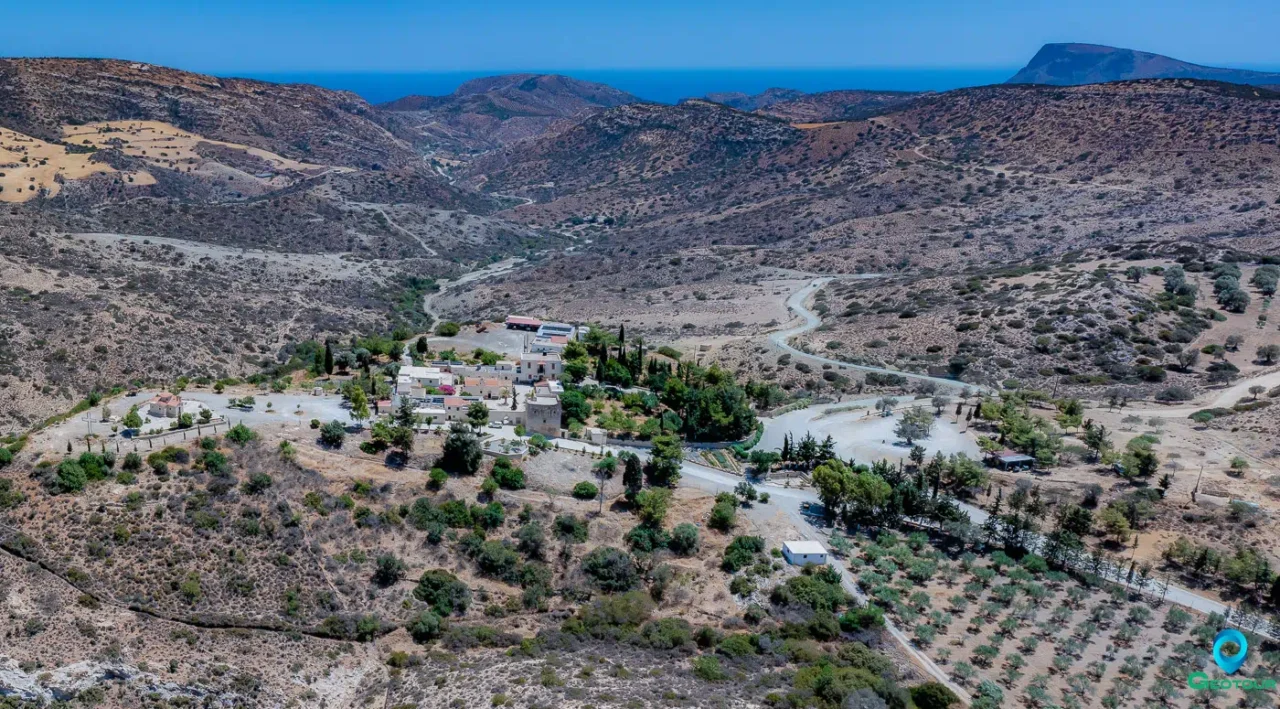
{"x": 659, "y": 85}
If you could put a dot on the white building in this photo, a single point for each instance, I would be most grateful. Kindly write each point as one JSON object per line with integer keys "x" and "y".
{"x": 551, "y": 344}
{"x": 422, "y": 378}
{"x": 536, "y": 367}
{"x": 804, "y": 552}
{"x": 557, "y": 329}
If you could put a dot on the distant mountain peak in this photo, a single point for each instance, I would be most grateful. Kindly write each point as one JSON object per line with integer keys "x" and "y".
{"x": 1071, "y": 64}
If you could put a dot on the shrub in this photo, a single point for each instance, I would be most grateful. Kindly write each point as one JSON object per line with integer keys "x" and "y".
{"x": 724, "y": 514}
{"x": 625, "y": 610}
{"x": 570, "y": 528}
{"x": 1175, "y": 393}
{"x": 499, "y": 561}
{"x": 611, "y": 569}
{"x": 240, "y": 434}
{"x": 647, "y": 538}
{"x": 667, "y": 633}
{"x": 736, "y": 645}
{"x": 741, "y": 553}
{"x": 707, "y": 667}
{"x": 585, "y": 490}
{"x": 333, "y": 434}
{"x": 508, "y": 476}
{"x": 864, "y": 618}
{"x": 443, "y": 592}
{"x": 437, "y": 478}
{"x": 933, "y": 695}
{"x": 684, "y": 539}
{"x": 388, "y": 570}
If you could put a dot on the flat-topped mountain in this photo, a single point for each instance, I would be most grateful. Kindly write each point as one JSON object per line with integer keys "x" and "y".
{"x": 1072, "y": 64}
{"x": 498, "y": 110}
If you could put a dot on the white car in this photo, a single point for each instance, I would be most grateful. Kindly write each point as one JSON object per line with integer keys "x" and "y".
{"x": 495, "y": 424}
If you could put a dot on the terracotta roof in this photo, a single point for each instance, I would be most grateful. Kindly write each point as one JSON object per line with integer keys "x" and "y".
{"x": 522, "y": 320}
{"x": 166, "y": 399}
{"x": 455, "y": 401}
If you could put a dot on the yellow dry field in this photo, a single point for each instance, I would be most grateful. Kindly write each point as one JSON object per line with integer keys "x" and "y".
{"x": 29, "y": 165}
{"x": 165, "y": 145}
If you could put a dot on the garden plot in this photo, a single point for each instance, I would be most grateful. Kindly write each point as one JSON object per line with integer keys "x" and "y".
{"x": 1018, "y": 632}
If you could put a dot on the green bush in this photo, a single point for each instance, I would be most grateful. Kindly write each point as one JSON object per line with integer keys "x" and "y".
{"x": 585, "y": 490}
{"x": 667, "y": 633}
{"x": 707, "y": 667}
{"x": 240, "y": 434}
{"x": 611, "y": 569}
{"x": 647, "y": 538}
{"x": 863, "y": 618}
{"x": 443, "y": 592}
{"x": 741, "y": 553}
{"x": 626, "y": 610}
{"x": 508, "y": 476}
{"x": 570, "y": 528}
{"x": 737, "y": 645}
{"x": 684, "y": 539}
{"x": 724, "y": 514}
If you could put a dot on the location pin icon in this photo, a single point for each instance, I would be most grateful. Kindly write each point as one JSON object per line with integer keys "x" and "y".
{"x": 1230, "y": 663}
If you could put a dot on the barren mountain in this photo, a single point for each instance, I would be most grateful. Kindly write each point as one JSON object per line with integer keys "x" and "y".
{"x": 139, "y": 198}
{"x": 1071, "y": 64}
{"x": 945, "y": 184}
{"x": 497, "y": 110}
{"x": 307, "y": 123}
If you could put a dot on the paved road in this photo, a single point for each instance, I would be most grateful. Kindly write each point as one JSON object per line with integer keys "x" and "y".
{"x": 795, "y": 302}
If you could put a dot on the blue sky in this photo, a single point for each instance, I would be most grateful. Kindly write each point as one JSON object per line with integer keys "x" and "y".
{"x": 394, "y": 35}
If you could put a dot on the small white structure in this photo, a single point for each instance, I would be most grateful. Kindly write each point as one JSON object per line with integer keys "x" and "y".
{"x": 804, "y": 552}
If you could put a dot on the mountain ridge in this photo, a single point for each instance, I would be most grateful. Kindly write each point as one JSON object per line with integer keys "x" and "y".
{"x": 1072, "y": 63}
{"x": 492, "y": 111}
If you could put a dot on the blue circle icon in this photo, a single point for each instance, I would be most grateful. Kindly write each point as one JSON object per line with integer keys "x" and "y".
{"x": 1230, "y": 663}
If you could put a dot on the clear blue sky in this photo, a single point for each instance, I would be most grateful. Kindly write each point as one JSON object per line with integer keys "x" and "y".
{"x": 396, "y": 35}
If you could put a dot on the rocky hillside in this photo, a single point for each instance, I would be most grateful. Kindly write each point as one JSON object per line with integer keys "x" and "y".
{"x": 1072, "y": 64}
{"x": 1175, "y": 134}
{"x": 754, "y": 102}
{"x": 690, "y": 142}
{"x": 39, "y": 96}
{"x": 851, "y": 105}
{"x": 138, "y": 197}
{"x": 498, "y": 110}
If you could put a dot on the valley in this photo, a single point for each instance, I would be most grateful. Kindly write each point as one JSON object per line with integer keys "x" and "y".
{"x": 533, "y": 394}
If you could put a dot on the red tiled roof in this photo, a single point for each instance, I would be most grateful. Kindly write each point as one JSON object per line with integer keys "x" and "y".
{"x": 522, "y": 320}
{"x": 166, "y": 399}
{"x": 455, "y": 401}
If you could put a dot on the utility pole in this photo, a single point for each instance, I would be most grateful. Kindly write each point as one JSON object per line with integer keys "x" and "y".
{"x": 1196, "y": 489}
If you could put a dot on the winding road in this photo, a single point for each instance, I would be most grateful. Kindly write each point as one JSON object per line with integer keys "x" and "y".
{"x": 796, "y": 303}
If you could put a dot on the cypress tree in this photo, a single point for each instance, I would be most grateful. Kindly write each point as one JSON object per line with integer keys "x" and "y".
{"x": 328, "y": 357}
